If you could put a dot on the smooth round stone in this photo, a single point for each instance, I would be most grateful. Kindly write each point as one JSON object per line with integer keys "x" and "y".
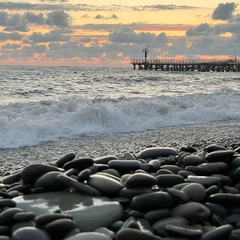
{"x": 235, "y": 163}
{"x": 79, "y": 164}
{"x": 212, "y": 190}
{"x": 195, "y": 169}
{"x": 88, "y": 236}
{"x": 155, "y": 163}
{"x": 129, "y": 156}
{"x": 192, "y": 211}
{"x": 185, "y": 231}
{"x": 159, "y": 226}
{"x": 112, "y": 172}
{"x": 5, "y": 230}
{"x": 156, "y": 215}
{"x": 59, "y": 228}
{"x": 9, "y": 179}
{"x": 106, "y": 232}
{"x": 68, "y": 157}
{"x": 7, "y": 203}
{"x": 89, "y": 213}
{"x": 178, "y": 195}
{"x": 217, "y": 209}
{"x": 135, "y": 234}
{"x": 125, "y": 165}
{"x": 29, "y": 233}
{"x": 192, "y": 160}
{"x": 233, "y": 218}
{"x": 169, "y": 180}
{"x": 214, "y": 168}
{"x": 50, "y": 182}
{"x": 78, "y": 186}
{"x": 225, "y": 180}
{"x": 195, "y": 191}
{"x": 24, "y": 216}
{"x": 83, "y": 175}
{"x": 226, "y": 199}
{"x": 204, "y": 180}
{"x": 132, "y": 192}
{"x": 220, "y": 156}
{"x": 151, "y": 201}
{"x": 32, "y": 172}
{"x": 104, "y": 159}
{"x": 218, "y": 233}
{"x": 105, "y": 184}
{"x": 44, "y": 219}
{"x": 155, "y": 152}
{"x": 140, "y": 180}
{"x": 173, "y": 168}
{"x": 214, "y": 147}
{"x": 7, "y": 216}
{"x": 5, "y": 238}
{"x": 236, "y": 175}
{"x": 188, "y": 149}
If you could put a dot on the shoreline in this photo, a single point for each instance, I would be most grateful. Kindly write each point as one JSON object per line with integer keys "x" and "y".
{"x": 222, "y": 133}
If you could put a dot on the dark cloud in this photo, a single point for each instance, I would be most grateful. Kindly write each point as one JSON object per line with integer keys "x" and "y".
{"x": 224, "y": 11}
{"x": 85, "y": 7}
{"x": 48, "y": 37}
{"x": 128, "y": 35}
{"x": 202, "y": 29}
{"x": 11, "y": 46}
{"x": 99, "y": 17}
{"x": 114, "y": 16}
{"x": 58, "y": 18}
{"x": 14, "y": 36}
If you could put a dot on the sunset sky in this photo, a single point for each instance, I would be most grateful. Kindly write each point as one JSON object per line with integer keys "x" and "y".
{"x": 111, "y": 33}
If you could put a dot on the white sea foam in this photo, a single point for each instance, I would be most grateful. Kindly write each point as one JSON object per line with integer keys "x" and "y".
{"x": 30, "y": 123}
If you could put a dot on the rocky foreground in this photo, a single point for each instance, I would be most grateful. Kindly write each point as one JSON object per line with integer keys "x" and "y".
{"x": 157, "y": 193}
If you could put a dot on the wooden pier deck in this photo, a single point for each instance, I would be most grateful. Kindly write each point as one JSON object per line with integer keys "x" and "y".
{"x": 216, "y": 65}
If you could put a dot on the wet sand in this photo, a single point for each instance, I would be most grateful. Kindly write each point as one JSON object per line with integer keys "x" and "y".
{"x": 223, "y": 133}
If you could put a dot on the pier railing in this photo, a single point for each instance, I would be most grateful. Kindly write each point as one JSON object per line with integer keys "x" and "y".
{"x": 185, "y": 61}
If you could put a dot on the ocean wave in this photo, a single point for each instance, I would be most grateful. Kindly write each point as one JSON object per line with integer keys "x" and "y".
{"x": 27, "y": 124}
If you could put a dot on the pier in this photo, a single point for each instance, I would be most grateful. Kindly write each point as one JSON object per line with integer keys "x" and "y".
{"x": 216, "y": 65}
{"x": 207, "y": 65}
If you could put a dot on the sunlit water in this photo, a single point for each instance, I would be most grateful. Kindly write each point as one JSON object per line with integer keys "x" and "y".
{"x": 40, "y": 104}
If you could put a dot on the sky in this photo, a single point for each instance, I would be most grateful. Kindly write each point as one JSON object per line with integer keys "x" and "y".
{"x": 111, "y": 33}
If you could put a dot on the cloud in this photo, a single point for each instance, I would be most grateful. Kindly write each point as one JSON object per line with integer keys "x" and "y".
{"x": 14, "y": 36}
{"x": 224, "y": 11}
{"x": 99, "y": 17}
{"x": 128, "y": 35}
{"x": 53, "y": 36}
{"x": 202, "y": 29}
{"x": 58, "y": 18}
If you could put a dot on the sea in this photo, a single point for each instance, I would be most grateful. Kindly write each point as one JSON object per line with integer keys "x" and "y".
{"x": 48, "y": 104}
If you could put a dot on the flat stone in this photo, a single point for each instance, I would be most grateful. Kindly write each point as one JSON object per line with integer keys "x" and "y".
{"x": 192, "y": 211}
{"x": 204, "y": 180}
{"x": 220, "y": 156}
{"x": 155, "y": 152}
{"x": 32, "y": 172}
{"x": 140, "y": 180}
{"x": 88, "y": 236}
{"x": 135, "y": 234}
{"x": 159, "y": 226}
{"x": 221, "y": 232}
{"x": 29, "y": 233}
{"x": 151, "y": 201}
{"x": 88, "y": 212}
{"x": 79, "y": 164}
{"x": 195, "y": 191}
{"x": 105, "y": 184}
{"x": 169, "y": 180}
{"x": 68, "y": 157}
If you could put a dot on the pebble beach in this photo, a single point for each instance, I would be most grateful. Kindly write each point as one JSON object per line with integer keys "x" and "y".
{"x": 172, "y": 183}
